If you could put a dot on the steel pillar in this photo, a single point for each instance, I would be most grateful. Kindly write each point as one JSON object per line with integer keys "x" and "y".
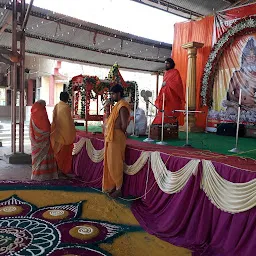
{"x": 157, "y": 83}
{"x": 22, "y": 79}
{"x": 14, "y": 76}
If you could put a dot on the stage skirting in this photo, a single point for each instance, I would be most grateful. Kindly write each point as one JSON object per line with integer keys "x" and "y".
{"x": 201, "y": 203}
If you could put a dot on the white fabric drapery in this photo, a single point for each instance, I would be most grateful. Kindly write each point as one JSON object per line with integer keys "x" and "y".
{"x": 96, "y": 156}
{"x": 225, "y": 195}
{"x": 138, "y": 165}
{"x": 172, "y": 182}
{"x": 78, "y": 146}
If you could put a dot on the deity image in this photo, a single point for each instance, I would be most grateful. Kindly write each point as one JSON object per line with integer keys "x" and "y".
{"x": 245, "y": 78}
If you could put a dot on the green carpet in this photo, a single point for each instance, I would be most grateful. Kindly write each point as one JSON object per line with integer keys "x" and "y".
{"x": 215, "y": 143}
{"x": 206, "y": 141}
{"x": 90, "y": 128}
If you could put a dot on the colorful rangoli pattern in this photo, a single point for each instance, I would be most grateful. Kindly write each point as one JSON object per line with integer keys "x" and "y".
{"x": 26, "y": 230}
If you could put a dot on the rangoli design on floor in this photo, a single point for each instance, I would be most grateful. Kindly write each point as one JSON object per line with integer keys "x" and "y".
{"x": 26, "y": 230}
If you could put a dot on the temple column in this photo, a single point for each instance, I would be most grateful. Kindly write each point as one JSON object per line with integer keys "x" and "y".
{"x": 30, "y": 100}
{"x": 191, "y": 83}
{"x": 51, "y": 91}
{"x": 157, "y": 83}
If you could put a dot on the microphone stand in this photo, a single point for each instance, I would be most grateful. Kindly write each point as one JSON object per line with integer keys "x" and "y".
{"x": 162, "y": 132}
{"x": 163, "y": 115}
{"x": 186, "y": 111}
{"x": 148, "y": 139}
{"x": 171, "y": 117}
{"x": 134, "y": 116}
{"x": 235, "y": 149}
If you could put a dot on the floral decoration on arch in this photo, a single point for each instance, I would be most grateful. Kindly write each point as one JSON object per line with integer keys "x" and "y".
{"x": 241, "y": 27}
{"x": 81, "y": 85}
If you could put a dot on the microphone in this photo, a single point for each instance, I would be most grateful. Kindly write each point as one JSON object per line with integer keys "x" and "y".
{"x": 107, "y": 102}
{"x": 191, "y": 111}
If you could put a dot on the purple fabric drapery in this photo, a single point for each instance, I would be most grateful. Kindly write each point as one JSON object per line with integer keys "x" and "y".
{"x": 187, "y": 218}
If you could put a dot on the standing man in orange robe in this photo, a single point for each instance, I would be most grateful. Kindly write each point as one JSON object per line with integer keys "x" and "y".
{"x": 115, "y": 143}
{"x": 174, "y": 94}
{"x": 63, "y": 133}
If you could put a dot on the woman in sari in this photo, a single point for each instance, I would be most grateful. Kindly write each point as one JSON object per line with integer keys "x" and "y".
{"x": 43, "y": 162}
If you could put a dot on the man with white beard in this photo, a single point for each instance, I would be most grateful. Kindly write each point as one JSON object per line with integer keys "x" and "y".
{"x": 140, "y": 121}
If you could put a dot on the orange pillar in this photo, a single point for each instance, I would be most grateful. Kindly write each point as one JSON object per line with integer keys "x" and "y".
{"x": 51, "y": 91}
{"x": 30, "y": 99}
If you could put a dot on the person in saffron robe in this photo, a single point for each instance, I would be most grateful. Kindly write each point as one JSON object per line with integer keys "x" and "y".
{"x": 63, "y": 133}
{"x": 43, "y": 163}
{"x": 115, "y": 143}
{"x": 174, "y": 94}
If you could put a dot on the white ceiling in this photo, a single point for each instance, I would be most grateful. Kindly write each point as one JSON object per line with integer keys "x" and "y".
{"x": 61, "y": 37}
{"x": 192, "y": 9}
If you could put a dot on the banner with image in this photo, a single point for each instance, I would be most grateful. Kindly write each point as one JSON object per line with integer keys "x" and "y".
{"x": 224, "y": 19}
{"x": 236, "y": 70}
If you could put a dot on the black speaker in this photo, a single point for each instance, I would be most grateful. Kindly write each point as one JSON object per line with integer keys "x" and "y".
{"x": 229, "y": 129}
{"x": 79, "y": 124}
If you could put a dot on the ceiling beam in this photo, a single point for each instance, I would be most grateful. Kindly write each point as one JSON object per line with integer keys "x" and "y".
{"x": 93, "y": 49}
{"x": 24, "y": 25}
{"x": 7, "y": 22}
{"x": 175, "y": 9}
{"x": 84, "y": 61}
{"x": 231, "y": 1}
{"x": 119, "y": 35}
{"x": 5, "y": 60}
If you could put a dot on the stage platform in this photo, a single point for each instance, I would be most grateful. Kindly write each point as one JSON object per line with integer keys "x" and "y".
{"x": 206, "y": 142}
{"x": 191, "y": 198}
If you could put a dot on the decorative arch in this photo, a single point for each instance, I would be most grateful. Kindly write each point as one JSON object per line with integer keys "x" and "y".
{"x": 242, "y": 27}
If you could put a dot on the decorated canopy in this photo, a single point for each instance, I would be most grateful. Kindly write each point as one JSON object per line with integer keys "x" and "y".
{"x": 84, "y": 88}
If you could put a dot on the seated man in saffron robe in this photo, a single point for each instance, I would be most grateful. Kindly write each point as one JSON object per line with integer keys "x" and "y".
{"x": 43, "y": 163}
{"x": 63, "y": 134}
{"x": 174, "y": 94}
{"x": 115, "y": 143}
